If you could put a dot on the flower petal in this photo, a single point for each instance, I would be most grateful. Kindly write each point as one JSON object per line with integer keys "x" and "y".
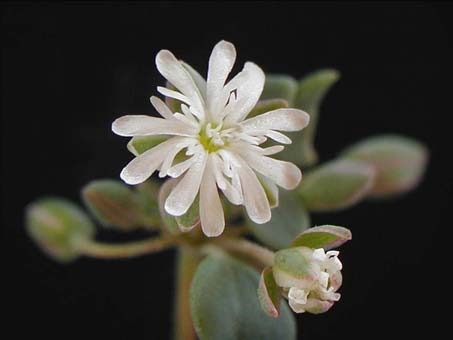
{"x": 272, "y": 150}
{"x": 141, "y": 125}
{"x": 184, "y": 193}
{"x": 296, "y": 307}
{"x": 197, "y": 78}
{"x": 170, "y": 157}
{"x": 178, "y": 169}
{"x": 221, "y": 62}
{"x": 278, "y": 137}
{"x": 248, "y": 85}
{"x": 316, "y": 306}
{"x": 177, "y": 75}
{"x": 161, "y": 107}
{"x": 255, "y": 200}
{"x": 211, "y": 210}
{"x": 186, "y": 111}
{"x": 173, "y": 94}
{"x": 183, "y": 118}
{"x": 270, "y": 189}
{"x": 284, "y": 174}
{"x": 336, "y": 279}
{"x": 280, "y": 120}
{"x": 143, "y": 166}
{"x": 229, "y": 190}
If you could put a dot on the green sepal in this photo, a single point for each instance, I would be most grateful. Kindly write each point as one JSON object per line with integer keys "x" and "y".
{"x": 295, "y": 267}
{"x": 139, "y": 144}
{"x": 325, "y": 236}
{"x": 269, "y": 293}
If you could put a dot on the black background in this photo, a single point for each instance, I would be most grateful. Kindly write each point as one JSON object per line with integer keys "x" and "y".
{"x": 69, "y": 70}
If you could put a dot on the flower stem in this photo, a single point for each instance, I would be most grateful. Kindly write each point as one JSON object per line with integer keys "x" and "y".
{"x": 125, "y": 250}
{"x": 187, "y": 263}
{"x": 259, "y": 256}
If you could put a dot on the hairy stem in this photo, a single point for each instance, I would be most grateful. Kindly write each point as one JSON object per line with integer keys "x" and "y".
{"x": 125, "y": 250}
{"x": 259, "y": 256}
{"x": 187, "y": 263}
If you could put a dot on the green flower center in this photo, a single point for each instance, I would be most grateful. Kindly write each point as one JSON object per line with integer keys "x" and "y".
{"x": 211, "y": 138}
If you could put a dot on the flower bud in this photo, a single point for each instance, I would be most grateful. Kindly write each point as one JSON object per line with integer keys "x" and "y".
{"x": 294, "y": 267}
{"x": 56, "y": 225}
{"x": 114, "y": 204}
{"x": 399, "y": 162}
{"x": 309, "y": 278}
{"x": 336, "y": 185}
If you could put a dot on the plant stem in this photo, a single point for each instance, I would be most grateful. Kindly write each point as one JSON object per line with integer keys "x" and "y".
{"x": 187, "y": 263}
{"x": 125, "y": 250}
{"x": 259, "y": 256}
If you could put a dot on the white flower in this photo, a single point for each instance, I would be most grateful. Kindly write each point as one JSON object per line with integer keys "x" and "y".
{"x": 318, "y": 296}
{"x": 221, "y": 145}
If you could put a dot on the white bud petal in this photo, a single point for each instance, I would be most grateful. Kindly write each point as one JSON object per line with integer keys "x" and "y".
{"x": 333, "y": 265}
{"x": 297, "y": 308}
{"x": 319, "y": 255}
{"x": 324, "y": 279}
{"x": 298, "y": 295}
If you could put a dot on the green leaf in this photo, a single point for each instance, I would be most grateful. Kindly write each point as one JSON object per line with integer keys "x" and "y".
{"x": 326, "y": 236}
{"x": 400, "y": 162}
{"x": 113, "y": 204}
{"x": 310, "y": 93}
{"x": 57, "y": 226}
{"x": 139, "y": 144}
{"x": 267, "y": 105}
{"x": 336, "y": 185}
{"x": 176, "y": 224}
{"x": 279, "y": 86}
{"x": 225, "y": 305}
{"x": 288, "y": 220}
{"x": 269, "y": 293}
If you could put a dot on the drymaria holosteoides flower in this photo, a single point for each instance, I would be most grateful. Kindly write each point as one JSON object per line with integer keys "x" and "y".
{"x": 309, "y": 278}
{"x": 221, "y": 147}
